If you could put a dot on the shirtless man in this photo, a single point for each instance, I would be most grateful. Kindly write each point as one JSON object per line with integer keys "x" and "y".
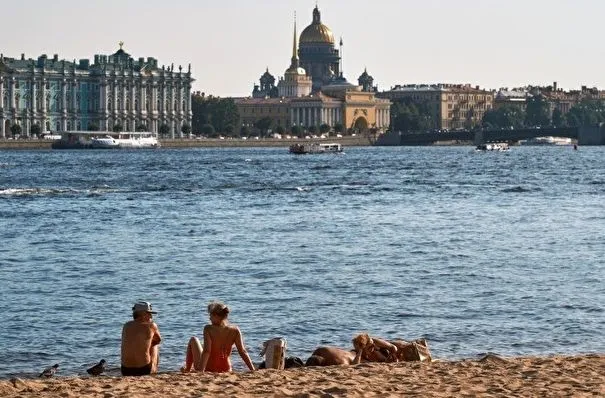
{"x": 140, "y": 339}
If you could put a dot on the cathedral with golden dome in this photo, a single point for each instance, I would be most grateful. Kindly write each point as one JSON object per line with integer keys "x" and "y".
{"x": 313, "y": 90}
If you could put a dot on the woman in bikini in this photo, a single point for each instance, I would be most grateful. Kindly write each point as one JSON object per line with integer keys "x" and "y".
{"x": 219, "y": 338}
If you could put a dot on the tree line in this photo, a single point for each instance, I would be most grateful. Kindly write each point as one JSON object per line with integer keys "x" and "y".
{"x": 537, "y": 113}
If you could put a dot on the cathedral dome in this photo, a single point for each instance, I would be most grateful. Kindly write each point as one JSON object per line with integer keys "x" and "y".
{"x": 317, "y": 32}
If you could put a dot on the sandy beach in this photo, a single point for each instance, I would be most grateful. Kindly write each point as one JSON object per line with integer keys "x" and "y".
{"x": 488, "y": 376}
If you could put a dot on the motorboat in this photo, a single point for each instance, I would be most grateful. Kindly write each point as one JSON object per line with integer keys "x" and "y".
{"x": 302, "y": 149}
{"x": 494, "y": 146}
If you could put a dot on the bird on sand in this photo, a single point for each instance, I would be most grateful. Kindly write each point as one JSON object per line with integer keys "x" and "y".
{"x": 49, "y": 372}
{"x": 97, "y": 369}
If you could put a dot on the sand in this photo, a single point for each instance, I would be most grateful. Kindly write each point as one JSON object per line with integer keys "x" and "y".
{"x": 490, "y": 376}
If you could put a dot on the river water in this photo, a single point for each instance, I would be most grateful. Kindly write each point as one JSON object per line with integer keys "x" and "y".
{"x": 476, "y": 252}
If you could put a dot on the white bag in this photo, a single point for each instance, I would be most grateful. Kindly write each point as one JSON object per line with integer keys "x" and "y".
{"x": 274, "y": 351}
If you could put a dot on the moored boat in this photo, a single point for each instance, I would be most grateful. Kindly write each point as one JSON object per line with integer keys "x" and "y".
{"x": 105, "y": 140}
{"x": 302, "y": 149}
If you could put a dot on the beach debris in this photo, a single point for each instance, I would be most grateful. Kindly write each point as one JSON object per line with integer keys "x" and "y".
{"x": 491, "y": 357}
{"x": 98, "y": 369}
{"x": 49, "y": 372}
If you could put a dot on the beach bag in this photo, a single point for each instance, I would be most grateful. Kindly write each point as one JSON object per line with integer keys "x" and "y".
{"x": 274, "y": 351}
{"x": 417, "y": 350}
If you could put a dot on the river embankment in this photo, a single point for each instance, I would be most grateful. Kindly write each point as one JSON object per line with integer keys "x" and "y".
{"x": 200, "y": 143}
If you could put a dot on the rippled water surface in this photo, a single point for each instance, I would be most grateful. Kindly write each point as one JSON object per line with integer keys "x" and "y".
{"x": 476, "y": 252}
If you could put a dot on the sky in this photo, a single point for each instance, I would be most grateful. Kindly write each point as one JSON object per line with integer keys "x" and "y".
{"x": 229, "y": 43}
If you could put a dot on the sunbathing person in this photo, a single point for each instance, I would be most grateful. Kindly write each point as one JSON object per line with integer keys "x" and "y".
{"x": 219, "y": 338}
{"x": 332, "y": 356}
{"x": 140, "y": 339}
{"x": 374, "y": 349}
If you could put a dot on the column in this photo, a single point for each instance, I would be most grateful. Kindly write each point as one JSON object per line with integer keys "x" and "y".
{"x": 11, "y": 95}
{"x": 2, "y": 105}
{"x": 2, "y": 132}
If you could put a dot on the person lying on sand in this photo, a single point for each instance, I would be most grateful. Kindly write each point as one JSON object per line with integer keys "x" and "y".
{"x": 332, "y": 356}
{"x": 140, "y": 339}
{"x": 219, "y": 338}
{"x": 375, "y": 349}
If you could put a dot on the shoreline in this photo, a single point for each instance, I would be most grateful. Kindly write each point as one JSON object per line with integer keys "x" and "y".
{"x": 494, "y": 376}
{"x": 348, "y": 141}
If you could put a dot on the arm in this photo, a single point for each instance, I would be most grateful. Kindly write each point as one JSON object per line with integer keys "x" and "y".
{"x": 207, "y": 348}
{"x": 380, "y": 343}
{"x": 157, "y": 338}
{"x": 241, "y": 349}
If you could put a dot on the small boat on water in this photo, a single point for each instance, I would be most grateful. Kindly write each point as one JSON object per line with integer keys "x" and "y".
{"x": 549, "y": 140}
{"x": 302, "y": 149}
{"x": 105, "y": 140}
{"x": 495, "y": 146}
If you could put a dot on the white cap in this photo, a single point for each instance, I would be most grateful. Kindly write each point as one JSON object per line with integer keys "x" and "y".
{"x": 143, "y": 306}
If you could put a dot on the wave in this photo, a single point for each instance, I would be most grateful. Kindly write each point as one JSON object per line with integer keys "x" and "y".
{"x": 517, "y": 189}
{"x": 36, "y": 191}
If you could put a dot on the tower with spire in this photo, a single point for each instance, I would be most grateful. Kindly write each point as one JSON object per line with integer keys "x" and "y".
{"x": 295, "y": 82}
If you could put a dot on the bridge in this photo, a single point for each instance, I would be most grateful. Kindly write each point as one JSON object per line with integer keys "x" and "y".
{"x": 585, "y": 135}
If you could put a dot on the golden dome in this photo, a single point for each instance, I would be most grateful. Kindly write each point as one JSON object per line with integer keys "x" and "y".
{"x": 317, "y": 32}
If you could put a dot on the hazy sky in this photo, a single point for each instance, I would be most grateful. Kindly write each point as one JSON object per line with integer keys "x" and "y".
{"x": 491, "y": 43}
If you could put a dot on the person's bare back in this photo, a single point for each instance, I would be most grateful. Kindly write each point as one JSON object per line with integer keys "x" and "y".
{"x": 140, "y": 338}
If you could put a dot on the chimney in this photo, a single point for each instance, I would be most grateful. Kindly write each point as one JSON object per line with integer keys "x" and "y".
{"x": 554, "y": 85}
{"x": 23, "y": 57}
{"x": 56, "y": 58}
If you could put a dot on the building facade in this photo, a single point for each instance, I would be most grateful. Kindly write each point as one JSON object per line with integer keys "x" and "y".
{"x": 313, "y": 91}
{"x": 452, "y": 106}
{"x": 58, "y": 95}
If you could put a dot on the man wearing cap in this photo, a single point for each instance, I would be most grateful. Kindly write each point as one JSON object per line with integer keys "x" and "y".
{"x": 140, "y": 339}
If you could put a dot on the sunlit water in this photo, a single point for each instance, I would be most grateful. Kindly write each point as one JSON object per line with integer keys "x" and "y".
{"x": 476, "y": 252}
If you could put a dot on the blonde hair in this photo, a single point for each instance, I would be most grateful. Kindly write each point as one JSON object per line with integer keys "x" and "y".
{"x": 362, "y": 340}
{"x": 218, "y": 308}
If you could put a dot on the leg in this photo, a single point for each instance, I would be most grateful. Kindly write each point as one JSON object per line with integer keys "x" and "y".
{"x": 154, "y": 353}
{"x": 193, "y": 357}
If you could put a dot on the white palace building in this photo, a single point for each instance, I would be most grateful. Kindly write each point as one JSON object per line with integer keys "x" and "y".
{"x": 59, "y": 95}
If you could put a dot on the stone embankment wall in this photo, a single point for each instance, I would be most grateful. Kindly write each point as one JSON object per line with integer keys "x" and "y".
{"x": 203, "y": 143}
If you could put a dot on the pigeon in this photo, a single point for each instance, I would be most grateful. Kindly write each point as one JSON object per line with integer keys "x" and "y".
{"x": 49, "y": 372}
{"x": 97, "y": 369}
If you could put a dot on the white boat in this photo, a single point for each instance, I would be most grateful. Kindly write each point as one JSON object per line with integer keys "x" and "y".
{"x": 301, "y": 149}
{"x": 547, "y": 141}
{"x": 494, "y": 146}
{"x": 105, "y": 140}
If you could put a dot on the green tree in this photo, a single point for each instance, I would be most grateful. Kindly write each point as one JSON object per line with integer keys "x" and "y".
{"x": 504, "y": 117}
{"x": 164, "y": 130}
{"x": 586, "y": 113}
{"x": 280, "y": 129}
{"x": 141, "y": 127}
{"x": 537, "y": 112}
{"x": 186, "y": 130}
{"x": 244, "y": 131}
{"x": 558, "y": 120}
{"x": 220, "y": 112}
{"x": 297, "y": 131}
{"x": 92, "y": 126}
{"x": 208, "y": 130}
{"x": 229, "y": 130}
{"x": 15, "y": 130}
{"x": 263, "y": 125}
{"x": 339, "y": 128}
{"x": 324, "y": 128}
{"x": 408, "y": 115}
{"x": 117, "y": 128}
{"x": 35, "y": 130}
{"x": 313, "y": 129}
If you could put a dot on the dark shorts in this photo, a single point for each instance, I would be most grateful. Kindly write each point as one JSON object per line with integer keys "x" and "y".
{"x": 142, "y": 371}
